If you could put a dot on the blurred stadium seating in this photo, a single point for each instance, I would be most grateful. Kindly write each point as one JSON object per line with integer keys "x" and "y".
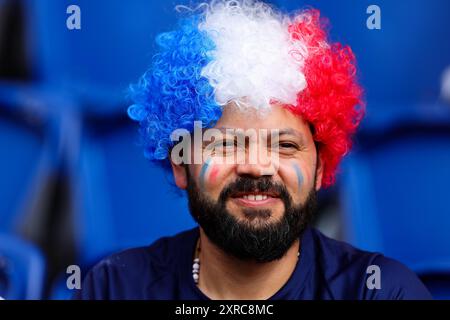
{"x": 75, "y": 183}
{"x": 395, "y": 192}
{"x": 22, "y": 269}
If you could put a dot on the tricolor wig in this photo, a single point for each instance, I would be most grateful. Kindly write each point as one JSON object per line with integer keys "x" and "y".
{"x": 229, "y": 49}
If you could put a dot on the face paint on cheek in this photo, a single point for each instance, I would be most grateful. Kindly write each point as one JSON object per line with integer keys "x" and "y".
{"x": 203, "y": 173}
{"x": 299, "y": 174}
{"x": 213, "y": 174}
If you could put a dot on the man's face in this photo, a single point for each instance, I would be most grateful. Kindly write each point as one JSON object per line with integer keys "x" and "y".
{"x": 254, "y": 207}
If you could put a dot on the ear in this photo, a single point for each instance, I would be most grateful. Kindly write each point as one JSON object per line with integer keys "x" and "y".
{"x": 179, "y": 175}
{"x": 319, "y": 171}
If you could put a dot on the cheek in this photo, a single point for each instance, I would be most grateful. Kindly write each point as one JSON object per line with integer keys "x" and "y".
{"x": 213, "y": 175}
{"x": 210, "y": 175}
{"x": 299, "y": 175}
{"x": 204, "y": 173}
{"x": 295, "y": 176}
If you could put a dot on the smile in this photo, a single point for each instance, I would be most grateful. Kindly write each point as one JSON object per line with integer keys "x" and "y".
{"x": 255, "y": 199}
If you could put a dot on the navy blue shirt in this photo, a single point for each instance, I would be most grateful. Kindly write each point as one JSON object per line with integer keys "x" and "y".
{"x": 326, "y": 269}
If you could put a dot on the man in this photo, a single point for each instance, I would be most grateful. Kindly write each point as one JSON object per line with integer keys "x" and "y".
{"x": 276, "y": 104}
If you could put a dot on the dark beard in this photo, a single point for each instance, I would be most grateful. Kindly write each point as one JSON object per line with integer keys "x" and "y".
{"x": 262, "y": 241}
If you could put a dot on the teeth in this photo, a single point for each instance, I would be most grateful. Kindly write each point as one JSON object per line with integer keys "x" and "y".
{"x": 252, "y": 197}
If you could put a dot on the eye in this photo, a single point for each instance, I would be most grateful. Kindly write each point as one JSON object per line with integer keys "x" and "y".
{"x": 286, "y": 148}
{"x": 223, "y": 147}
{"x": 288, "y": 145}
{"x": 228, "y": 143}
{"x": 225, "y": 144}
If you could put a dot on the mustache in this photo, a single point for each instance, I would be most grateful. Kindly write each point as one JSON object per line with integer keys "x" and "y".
{"x": 262, "y": 184}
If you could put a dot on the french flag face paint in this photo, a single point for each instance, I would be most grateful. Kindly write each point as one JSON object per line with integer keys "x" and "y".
{"x": 299, "y": 175}
{"x": 248, "y": 53}
{"x": 208, "y": 173}
{"x": 204, "y": 172}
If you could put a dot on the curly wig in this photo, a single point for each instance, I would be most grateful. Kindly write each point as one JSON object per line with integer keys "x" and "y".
{"x": 225, "y": 50}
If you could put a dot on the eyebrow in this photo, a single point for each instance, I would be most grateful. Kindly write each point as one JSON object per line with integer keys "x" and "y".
{"x": 290, "y": 131}
{"x": 281, "y": 132}
{"x": 293, "y": 132}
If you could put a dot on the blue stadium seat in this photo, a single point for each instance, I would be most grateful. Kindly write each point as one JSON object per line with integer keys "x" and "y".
{"x": 22, "y": 269}
{"x": 98, "y": 62}
{"x": 91, "y": 69}
{"x": 122, "y": 200}
{"x": 390, "y": 62}
{"x": 20, "y": 164}
{"x": 395, "y": 194}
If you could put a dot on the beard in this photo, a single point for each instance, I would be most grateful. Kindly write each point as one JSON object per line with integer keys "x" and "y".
{"x": 247, "y": 239}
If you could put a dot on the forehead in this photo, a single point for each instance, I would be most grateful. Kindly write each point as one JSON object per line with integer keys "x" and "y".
{"x": 275, "y": 117}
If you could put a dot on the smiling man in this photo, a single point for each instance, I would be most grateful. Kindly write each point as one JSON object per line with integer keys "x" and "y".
{"x": 277, "y": 105}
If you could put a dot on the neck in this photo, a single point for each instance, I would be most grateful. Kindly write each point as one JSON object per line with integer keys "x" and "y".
{"x": 227, "y": 278}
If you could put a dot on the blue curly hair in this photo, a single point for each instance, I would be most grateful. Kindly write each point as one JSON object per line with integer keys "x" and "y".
{"x": 172, "y": 94}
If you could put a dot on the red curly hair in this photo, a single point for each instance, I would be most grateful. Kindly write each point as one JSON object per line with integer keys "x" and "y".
{"x": 332, "y": 102}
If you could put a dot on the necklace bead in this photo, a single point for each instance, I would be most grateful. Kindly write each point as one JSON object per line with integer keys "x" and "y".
{"x": 196, "y": 265}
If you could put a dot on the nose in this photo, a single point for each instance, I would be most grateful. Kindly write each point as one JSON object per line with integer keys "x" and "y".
{"x": 257, "y": 164}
